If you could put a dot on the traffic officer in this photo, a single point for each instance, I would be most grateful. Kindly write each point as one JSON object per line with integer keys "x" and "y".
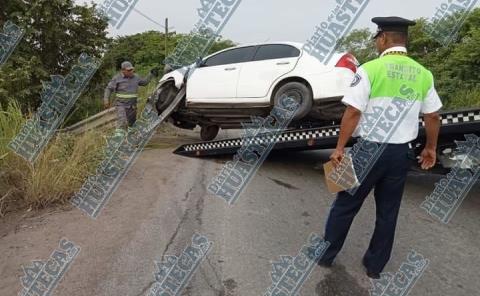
{"x": 125, "y": 86}
{"x": 375, "y": 85}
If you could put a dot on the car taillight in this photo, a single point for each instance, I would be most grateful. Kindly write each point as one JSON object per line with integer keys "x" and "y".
{"x": 348, "y": 61}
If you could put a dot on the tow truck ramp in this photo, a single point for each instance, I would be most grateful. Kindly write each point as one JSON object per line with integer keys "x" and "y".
{"x": 454, "y": 126}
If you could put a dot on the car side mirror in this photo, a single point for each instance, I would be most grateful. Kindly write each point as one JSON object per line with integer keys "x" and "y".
{"x": 199, "y": 62}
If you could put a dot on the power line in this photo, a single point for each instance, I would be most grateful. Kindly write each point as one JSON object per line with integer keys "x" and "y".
{"x": 148, "y": 18}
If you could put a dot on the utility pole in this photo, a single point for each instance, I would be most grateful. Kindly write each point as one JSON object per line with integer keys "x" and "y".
{"x": 158, "y": 24}
{"x": 166, "y": 36}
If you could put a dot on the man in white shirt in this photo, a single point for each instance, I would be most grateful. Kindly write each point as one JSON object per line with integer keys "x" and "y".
{"x": 383, "y": 105}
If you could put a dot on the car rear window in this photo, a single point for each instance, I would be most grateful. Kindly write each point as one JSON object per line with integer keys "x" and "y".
{"x": 276, "y": 51}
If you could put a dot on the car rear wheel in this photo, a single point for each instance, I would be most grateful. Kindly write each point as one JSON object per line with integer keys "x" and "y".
{"x": 209, "y": 132}
{"x": 300, "y": 93}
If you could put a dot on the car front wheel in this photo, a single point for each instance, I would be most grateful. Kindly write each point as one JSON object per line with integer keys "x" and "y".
{"x": 165, "y": 95}
{"x": 300, "y": 93}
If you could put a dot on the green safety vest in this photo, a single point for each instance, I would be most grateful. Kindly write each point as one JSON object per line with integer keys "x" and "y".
{"x": 399, "y": 89}
{"x": 389, "y": 73}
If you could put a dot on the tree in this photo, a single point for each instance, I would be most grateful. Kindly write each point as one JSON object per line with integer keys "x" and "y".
{"x": 222, "y": 44}
{"x": 359, "y": 42}
{"x": 56, "y": 33}
{"x": 456, "y": 67}
{"x": 145, "y": 50}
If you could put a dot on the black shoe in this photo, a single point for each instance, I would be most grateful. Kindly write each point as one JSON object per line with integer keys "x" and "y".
{"x": 325, "y": 264}
{"x": 373, "y": 275}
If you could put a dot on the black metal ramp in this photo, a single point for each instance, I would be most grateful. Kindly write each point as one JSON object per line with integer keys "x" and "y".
{"x": 454, "y": 126}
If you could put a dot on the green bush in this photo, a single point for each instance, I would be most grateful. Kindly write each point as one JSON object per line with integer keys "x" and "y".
{"x": 463, "y": 99}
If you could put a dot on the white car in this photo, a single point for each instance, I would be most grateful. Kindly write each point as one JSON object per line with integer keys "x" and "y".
{"x": 226, "y": 88}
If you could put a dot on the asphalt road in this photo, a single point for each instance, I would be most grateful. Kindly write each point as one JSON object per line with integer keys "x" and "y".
{"x": 163, "y": 201}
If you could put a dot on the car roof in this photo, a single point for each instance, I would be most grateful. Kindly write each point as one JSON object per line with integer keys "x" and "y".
{"x": 294, "y": 44}
{"x": 335, "y": 57}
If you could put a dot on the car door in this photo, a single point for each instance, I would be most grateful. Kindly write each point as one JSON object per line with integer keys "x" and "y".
{"x": 269, "y": 63}
{"x": 217, "y": 77}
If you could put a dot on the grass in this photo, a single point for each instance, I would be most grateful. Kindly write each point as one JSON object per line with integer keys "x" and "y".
{"x": 59, "y": 171}
{"x": 61, "y": 168}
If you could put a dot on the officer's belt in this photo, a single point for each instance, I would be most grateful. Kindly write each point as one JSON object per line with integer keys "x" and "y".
{"x": 126, "y": 96}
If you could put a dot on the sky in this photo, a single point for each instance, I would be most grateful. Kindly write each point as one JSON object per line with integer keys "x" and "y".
{"x": 265, "y": 20}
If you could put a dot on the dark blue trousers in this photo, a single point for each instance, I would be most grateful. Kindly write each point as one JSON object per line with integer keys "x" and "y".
{"x": 388, "y": 177}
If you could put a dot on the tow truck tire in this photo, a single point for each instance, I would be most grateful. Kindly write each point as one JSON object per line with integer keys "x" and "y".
{"x": 209, "y": 132}
{"x": 165, "y": 96}
{"x": 300, "y": 93}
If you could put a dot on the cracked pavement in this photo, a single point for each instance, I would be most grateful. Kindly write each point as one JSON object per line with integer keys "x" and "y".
{"x": 163, "y": 201}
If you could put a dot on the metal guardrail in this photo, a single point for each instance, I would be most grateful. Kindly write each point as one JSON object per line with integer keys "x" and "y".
{"x": 102, "y": 120}
{"x": 107, "y": 118}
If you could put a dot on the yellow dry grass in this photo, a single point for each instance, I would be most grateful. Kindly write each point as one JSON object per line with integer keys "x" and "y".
{"x": 59, "y": 171}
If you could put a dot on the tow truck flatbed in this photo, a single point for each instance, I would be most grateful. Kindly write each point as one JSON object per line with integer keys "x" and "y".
{"x": 454, "y": 125}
